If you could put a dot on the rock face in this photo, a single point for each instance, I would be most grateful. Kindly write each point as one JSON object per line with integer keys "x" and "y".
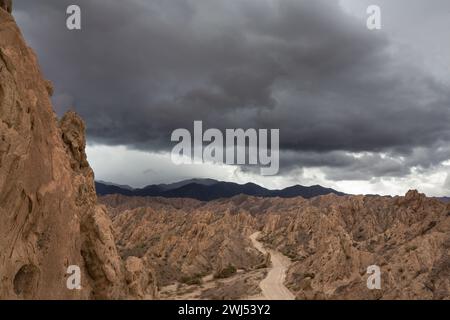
{"x": 49, "y": 218}
{"x": 140, "y": 279}
{"x": 6, "y": 5}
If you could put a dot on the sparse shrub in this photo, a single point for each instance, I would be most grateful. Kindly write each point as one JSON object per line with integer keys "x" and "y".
{"x": 226, "y": 272}
{"x": 192, "y": 280}
{"x": 138, "y": 251}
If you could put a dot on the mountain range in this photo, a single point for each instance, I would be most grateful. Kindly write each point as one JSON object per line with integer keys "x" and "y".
{"x": 209, "y": 189}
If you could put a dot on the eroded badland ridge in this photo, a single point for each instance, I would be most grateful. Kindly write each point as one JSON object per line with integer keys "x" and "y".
{"x": 330, "y": 240}
{"x": 145, "y": 248}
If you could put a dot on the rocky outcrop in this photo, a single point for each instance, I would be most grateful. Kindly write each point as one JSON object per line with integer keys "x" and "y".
{"x": 49, "y": 217}
{"x": 6, "y": 5}
{"x": 140, "y": 279}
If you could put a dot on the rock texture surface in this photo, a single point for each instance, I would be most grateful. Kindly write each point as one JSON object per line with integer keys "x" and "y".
{"x": 331, "y": 241}
{"x": 6, "y": 5}
{"x": 49, "y": 218}
{"x": 184, "y": 241}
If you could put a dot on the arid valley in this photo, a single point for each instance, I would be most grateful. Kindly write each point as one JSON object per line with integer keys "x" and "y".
{"x": 210, "y": 241}
{"x": 322, "y": 247}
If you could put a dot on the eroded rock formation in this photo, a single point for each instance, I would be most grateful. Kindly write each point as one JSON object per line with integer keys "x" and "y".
{"x": 6, "y": 5}
{"x": 331, "y": 240}
{"x": 49, "y": 218}
{"x": 183, "y": 243}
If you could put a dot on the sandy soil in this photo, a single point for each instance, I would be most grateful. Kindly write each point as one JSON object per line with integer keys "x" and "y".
{"x": 260, "y": 284}
{"x": 239, "y": 286}
{"x": 272, "y": 286}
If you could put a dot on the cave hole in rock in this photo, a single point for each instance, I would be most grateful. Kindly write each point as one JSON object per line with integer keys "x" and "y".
{"x": 26, "y": 280}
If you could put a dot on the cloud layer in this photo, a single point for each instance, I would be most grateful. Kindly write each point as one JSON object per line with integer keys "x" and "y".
{"x": 353, "y": 102}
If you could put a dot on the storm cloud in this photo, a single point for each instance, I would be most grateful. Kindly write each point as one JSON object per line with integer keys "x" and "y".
{"x": 351, "y": 101}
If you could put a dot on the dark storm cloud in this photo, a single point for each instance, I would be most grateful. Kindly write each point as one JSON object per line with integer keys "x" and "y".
{"x": 342, "y": 165}
{"x": 140, "y": 69}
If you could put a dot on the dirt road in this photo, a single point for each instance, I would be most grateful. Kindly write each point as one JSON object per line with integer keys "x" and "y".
{"x": 272, "y": 286}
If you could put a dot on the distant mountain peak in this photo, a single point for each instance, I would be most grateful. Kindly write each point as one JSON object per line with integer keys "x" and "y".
{"x": 123, "y": 186}
{"x": 210, "y": 189}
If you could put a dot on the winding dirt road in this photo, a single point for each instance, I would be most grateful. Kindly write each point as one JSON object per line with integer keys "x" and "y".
{"x": 272, "y": 286}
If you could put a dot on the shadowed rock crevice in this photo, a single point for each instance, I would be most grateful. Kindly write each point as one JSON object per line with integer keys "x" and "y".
{"x": 26, "y": 281}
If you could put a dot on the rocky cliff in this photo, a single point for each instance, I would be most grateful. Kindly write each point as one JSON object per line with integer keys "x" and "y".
{"x": 49, "y": 218}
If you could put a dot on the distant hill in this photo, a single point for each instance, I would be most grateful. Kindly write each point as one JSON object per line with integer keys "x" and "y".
{"x": 444, "y": 199}
{"x": 171, "y": 186}
{"x": 122, "y": 186}
{"x": 208, "y": 189}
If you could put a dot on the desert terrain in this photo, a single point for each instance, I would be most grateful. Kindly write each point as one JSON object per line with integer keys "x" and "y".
{"x": 307, "y": 249}
{"x": 243, "y": 247}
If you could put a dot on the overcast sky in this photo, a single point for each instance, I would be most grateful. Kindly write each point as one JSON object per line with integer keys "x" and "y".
{"x": 358, "y": 110}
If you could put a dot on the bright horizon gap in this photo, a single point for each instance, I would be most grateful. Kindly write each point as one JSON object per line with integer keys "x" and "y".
{"x": 111, "y": 164}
